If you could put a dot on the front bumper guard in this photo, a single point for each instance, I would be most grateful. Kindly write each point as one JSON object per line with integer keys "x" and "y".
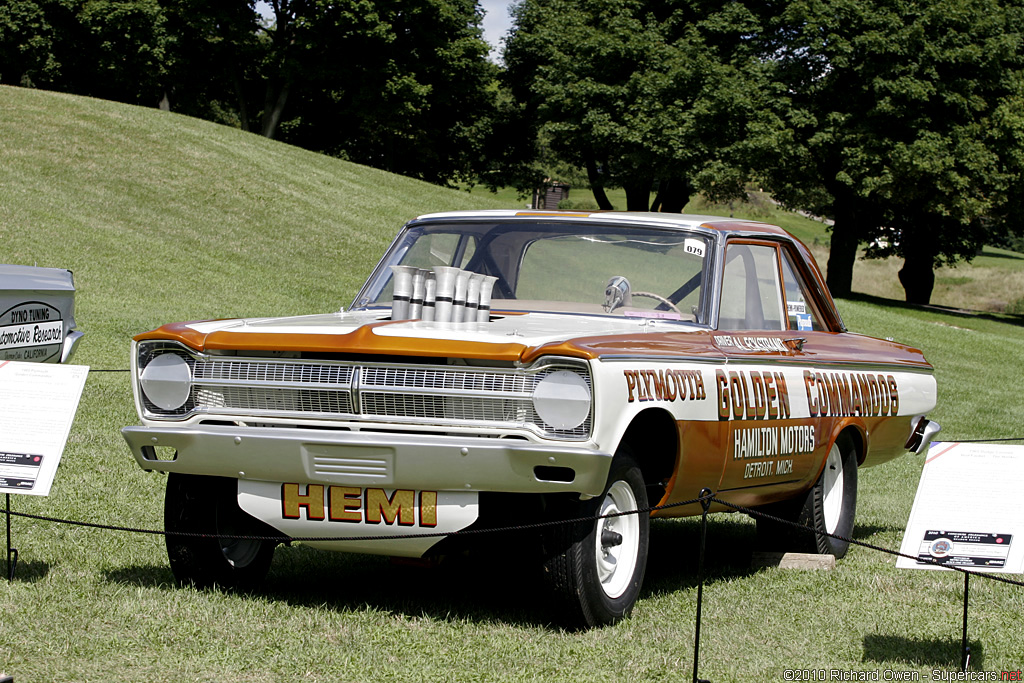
{"x": 378, "y": 459}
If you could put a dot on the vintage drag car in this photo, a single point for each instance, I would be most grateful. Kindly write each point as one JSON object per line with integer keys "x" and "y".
{"x": 37, "y": 323}
{"x": 506, "y": 368}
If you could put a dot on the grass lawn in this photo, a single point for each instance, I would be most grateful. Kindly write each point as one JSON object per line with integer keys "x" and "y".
{"x": 165, "y": 218}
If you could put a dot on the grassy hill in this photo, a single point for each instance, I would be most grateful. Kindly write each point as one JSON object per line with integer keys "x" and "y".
{"x": 166, "y": 218}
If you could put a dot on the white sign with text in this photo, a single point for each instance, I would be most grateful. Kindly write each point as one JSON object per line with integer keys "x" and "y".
{"x": 968, "y": 511}
{"x": 38, "y": 402}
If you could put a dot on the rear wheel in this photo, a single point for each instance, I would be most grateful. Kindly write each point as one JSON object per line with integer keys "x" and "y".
{"x": 209, "y": 506}
{"x": 596, "y": 568}
{"x": 827, "y": 507}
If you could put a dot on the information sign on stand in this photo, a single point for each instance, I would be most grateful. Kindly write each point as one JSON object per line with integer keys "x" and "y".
{"x": 38, "y": 402}
{"x": 968, "y": 513}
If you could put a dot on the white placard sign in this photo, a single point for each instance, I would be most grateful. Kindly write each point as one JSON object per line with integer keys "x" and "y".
{"x": 968, "y": 511}
{"x": 38, "y": 402}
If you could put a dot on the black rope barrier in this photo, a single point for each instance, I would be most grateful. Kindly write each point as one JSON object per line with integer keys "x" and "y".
{"x": 758, "y": 513}
{"x": 311, "y": 539}
{"x": 505, "y": 529}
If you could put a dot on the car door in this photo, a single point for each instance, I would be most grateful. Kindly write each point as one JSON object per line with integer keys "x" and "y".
{"x": 768, "y": 322}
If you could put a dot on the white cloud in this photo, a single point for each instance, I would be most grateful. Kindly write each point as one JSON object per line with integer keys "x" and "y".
{"x": 496, "y": 25}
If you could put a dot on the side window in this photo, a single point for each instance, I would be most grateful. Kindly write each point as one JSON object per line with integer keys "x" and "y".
{"x": 800, "y": 308}
{"x": 751, "y": 291}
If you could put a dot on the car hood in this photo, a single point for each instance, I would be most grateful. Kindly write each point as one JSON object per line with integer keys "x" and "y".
{"x": 508, "y": 336}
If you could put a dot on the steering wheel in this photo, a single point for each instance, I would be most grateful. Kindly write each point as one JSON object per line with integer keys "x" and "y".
{"x": 660, "y": 298}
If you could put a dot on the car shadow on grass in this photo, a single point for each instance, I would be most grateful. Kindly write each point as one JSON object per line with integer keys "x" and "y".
{"x": 152, "y": 576}
{"x": 487, "y": 585}
{"x": 942, "y": 653}
{"x": 864, "y": 532}
{"x": 674, "y": 556}
{"x": 499, "y": 581}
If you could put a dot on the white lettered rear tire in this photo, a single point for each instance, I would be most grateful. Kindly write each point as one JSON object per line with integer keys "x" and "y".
{"x": 828, "y": 507}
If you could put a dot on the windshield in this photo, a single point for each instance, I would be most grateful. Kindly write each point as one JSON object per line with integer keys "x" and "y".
{"x": 587, "y": 268}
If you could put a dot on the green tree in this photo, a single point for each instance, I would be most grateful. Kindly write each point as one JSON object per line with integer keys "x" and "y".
{"x": 215, "y": 51}
{"x": 113, "y": 49}
{"x": 896, "y": 124}
{"x": 639, "y": 91}
{"x": 26, "y": 44}
{"x": 399, "y": 85}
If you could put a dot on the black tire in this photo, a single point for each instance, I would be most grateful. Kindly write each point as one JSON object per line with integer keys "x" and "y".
{"x": 827, "y": 507}
{"x": 597, "y": 582}
{"x": 209, "y": 505}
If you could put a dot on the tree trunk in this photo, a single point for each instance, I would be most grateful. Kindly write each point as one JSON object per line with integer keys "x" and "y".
{"x": 918, "y": 272}
{"x": 841, "y": 256}
{"x": 243, "y": 110}
{"x": 638, "y": 194}
{"x": 673, "y": 194}
{"x": 273, "y": 109}
{"x": 597, "y": 185}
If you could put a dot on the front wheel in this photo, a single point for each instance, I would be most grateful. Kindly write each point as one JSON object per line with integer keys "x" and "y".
{"x": 596, "y": 568}
{"x": 828, "y": 507}
{"x": 209, "y": 506}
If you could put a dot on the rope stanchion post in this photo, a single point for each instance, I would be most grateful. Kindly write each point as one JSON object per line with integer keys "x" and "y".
{"x": 12, "y": 553}
{"x": 965, "y": 649}
{"x": 705, "y": 502}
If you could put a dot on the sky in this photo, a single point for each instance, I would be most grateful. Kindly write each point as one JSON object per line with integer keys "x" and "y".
{"x": 497, "y": 22}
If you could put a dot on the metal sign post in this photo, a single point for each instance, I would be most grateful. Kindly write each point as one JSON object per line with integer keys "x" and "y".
{"x": 12, "y": 553}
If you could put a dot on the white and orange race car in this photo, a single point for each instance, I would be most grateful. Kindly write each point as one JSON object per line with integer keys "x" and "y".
{"x": 505, "y": 368}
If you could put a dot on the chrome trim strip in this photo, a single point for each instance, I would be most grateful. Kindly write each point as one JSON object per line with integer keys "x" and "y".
{"x": 357, "y": 403}
{"x": 785, "y": 360}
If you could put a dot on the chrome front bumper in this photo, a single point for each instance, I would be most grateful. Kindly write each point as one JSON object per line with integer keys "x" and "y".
{"x": 385, "y": 460}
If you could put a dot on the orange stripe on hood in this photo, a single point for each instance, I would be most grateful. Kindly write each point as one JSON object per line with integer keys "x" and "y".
{"x": 362, "y": 340}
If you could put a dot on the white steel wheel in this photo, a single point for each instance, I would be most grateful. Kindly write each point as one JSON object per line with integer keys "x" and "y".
{"x": 595, "y": 568}
{"x": 832, "y": 489}
{"x": 617, "y": 541}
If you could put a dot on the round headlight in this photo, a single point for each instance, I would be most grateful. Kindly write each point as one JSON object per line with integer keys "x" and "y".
{"x": 562, "y": 399}
{"x": 167, "y": 381}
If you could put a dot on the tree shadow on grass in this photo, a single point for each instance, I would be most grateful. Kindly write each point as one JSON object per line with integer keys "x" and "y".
{"x": 1012, "y": 256}
{"x": 964, "y": 313}
{"x": 943, "y": 653}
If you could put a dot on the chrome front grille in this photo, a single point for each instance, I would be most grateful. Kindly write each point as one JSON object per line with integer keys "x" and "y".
{"x": 261, "y": 400}
{"x": 274, "y": 373}
{"x": 443, "y": 379}
{"x": 372, "y": 392}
